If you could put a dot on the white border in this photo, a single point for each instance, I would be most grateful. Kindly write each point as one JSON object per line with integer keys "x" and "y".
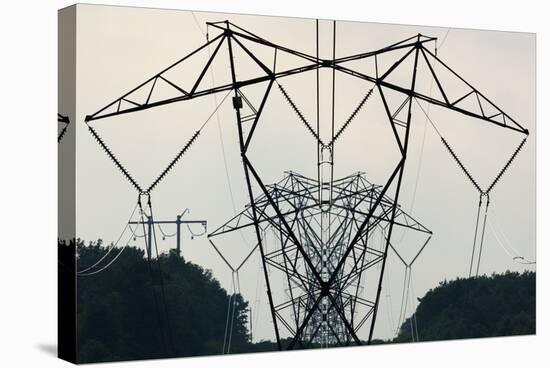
{"x": 28, "y": 180}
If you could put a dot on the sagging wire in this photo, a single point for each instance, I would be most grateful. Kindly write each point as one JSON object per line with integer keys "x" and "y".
{"x": 135, "y": 233}
{"x": 389, "y": 309}
{"x": 146, "y": 193}
{"x": 108, "y": 264}
{"x": 485, "y": 210}
{"x": 512, "y": 252}
{"x": 161, "y": 276}
{"x": 406, "y": 280}
{"x": 198, "y": 25}
{"x": 231, "y": 307}
{"x": 222, "y": 143}
{"x": 163, "y": 174}
{"x": 150, "y": 267}
{"x": 427, "y": 113}
{"x": 443, "y": 41}
{"x": 414, "y": 319}
{"x": 113, "y": 245}
{"x": 194, "y": 235}
{"x": 164, "y": 235}
{"x": 236, "y": 289}
{"x": 229, "y": 322}
{"x": 483, "y": 194}
{"x": 419, "y": 168}
{"x": 404, "y": 298}
{"x": 257, "y": 298}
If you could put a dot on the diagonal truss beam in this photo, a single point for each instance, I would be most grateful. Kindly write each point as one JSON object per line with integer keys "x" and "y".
{"x": 231, "y": 31}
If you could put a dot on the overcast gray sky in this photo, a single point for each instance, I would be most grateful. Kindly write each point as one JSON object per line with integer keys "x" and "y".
{"x": 118, "y": 48}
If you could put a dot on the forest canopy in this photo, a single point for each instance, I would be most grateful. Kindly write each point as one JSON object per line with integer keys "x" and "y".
{"x": 486, "y": 306}
{"x": 141, "y": 310}
{"x": 136, "y": 309}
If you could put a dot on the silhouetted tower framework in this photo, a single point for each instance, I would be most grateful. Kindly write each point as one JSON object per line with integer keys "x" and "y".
{"x": 318, "y": 310}
{"x": 324, "y": 226}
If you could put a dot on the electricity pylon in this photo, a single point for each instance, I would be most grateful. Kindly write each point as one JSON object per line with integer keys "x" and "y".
{"x": 150, "y": 222}
{"x": 324, "y": 302}
{"x": 325, "y": 225}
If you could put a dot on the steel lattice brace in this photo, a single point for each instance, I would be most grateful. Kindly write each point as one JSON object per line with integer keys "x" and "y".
{"x": 322, "y": 264}
{"x": 323, "y": 311}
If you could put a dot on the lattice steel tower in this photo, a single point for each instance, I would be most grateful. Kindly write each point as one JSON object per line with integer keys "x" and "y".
{"x": 325, "y": 227}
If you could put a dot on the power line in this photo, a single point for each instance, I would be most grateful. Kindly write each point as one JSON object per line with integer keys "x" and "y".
{"x": 428, "y": 118}
{"x": 517, "y": 257}
{"x": 197, "y": 23}
{"x": 355, "y": 212}
{"x": 150, "y": 267}
{"x": 224, "y": 156}
{"x": 444, "y": 38}
{"x": 161, "y": 279}
{"x": 107, "y": 265}
{"x": 113, "y": 245}
{"x": 415, "y": 310}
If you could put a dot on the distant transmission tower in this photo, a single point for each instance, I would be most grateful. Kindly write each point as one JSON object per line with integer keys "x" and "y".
{"x": 323, "y": 305}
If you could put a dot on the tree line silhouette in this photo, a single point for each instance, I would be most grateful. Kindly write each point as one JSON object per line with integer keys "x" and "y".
{"x": 169, "y": 307}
